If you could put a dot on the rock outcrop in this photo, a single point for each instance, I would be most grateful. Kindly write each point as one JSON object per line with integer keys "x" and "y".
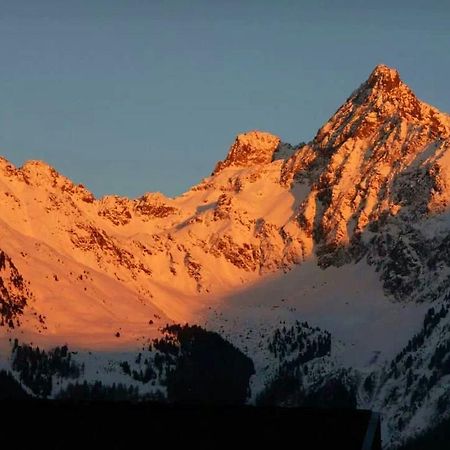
{"x": 252, "y": 148}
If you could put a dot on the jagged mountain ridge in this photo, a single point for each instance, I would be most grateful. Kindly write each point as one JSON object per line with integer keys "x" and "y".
{"x": 371, "y": 188}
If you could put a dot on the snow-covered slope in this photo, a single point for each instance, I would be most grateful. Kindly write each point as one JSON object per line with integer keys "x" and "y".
{"x": 348, "y": 232}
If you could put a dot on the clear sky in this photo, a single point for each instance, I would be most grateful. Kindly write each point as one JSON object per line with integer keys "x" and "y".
{"x": 133, "y": 96}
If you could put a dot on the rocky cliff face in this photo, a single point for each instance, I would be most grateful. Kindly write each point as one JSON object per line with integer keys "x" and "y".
{"x": 14, "y": 294}
{"x": 383, "y": 154}
{"x": 349, "y": 231}
{"x": 250, "y": 149}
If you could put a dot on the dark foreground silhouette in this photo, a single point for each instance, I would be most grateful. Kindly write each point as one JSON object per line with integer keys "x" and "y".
{"x": 105, "y": 421}
{"x": 63, "y": 424}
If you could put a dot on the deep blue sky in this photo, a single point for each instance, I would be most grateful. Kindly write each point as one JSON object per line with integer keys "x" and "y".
{"x": 132, "y": 96}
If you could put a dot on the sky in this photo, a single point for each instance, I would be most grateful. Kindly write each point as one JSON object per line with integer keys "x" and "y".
{"x": 134, "y": 96}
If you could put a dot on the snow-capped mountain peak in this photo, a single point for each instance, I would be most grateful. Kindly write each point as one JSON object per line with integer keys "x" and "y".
{"x": 348, "y": 231}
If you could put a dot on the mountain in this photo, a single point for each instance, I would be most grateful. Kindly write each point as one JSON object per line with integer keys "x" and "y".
{"x": 326, "y": 263}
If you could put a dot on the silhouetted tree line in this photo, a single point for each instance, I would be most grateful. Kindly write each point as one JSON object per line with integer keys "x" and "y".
{"x": 37, "y": 367}
{"x": 441, "y": 358}
{"x": 143, "y": 375}
{"x": 417, "y": 386}
{"x": 97, "y": 391}
{"x": 167, "y": 345}
{"x": 286, "y": 389}
{"x": 149, "y": 368}
{"x": 438, "y": 360}
{"x": 10, "y": 388}
{"x": 436, "y": 438}
{"x": 294, "y": 347}
{"x": 163, "y": 361}
{"x": 195, "y": 365}
{"x": 204, "y": 368}
{"x": 299, "y": 344}
{"x": 308, "y": 342}
{"x": 431, "y": 319}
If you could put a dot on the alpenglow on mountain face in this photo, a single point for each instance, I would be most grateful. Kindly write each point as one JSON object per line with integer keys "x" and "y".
{"x": 327, "y": 264}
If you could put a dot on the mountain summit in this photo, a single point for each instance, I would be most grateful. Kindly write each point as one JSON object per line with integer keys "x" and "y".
{"x": 378, "y": 149}
{"x": 321, "y": 261}
{"x": 384, "y": 77}
{"x": 254, "y": 147}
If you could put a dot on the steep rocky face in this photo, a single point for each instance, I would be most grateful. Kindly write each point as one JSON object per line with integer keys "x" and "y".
{"x": 384, "y": 153}
{"x": 14, "y": 293}
{"x": 249, "y": 149}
